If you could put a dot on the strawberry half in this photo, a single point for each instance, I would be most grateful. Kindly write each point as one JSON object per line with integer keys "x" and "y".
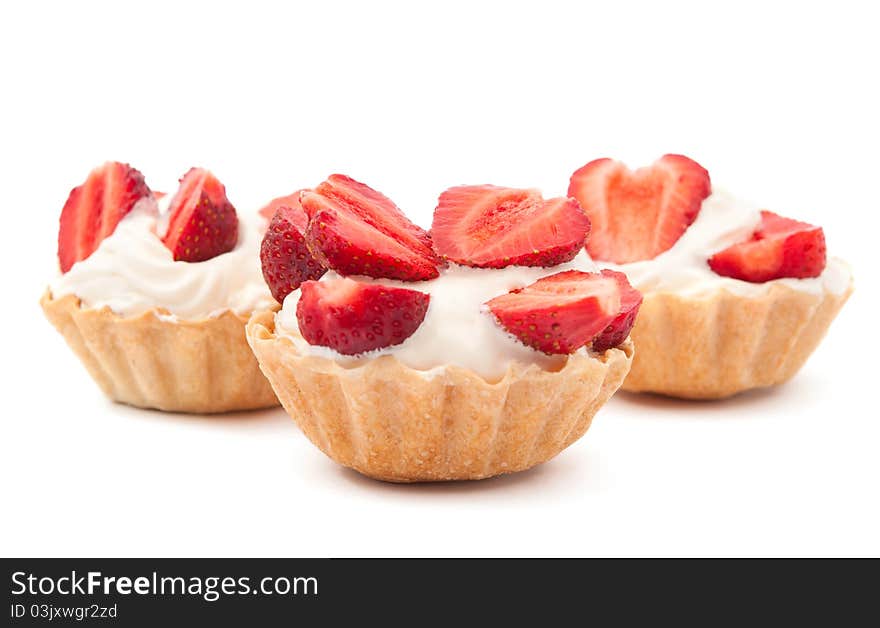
{"x": 352, "y": 317}
{"x": 355, "y": 230}
{"x": 291, "y": 200}
{"x": 94, "y": 208}
{"x": 284, "y": 255}
{"x": 492, "y": 227}
{"x": 560, "y": 313}
{"x": 618, "y": 330}
{"x": 203, "y": 223}
{"x": 636, "y": 215}
{"x": 781, "y": 247}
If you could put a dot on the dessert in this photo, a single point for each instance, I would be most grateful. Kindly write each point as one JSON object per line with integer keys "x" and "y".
{"x": 154, "y": 303}
{"x": 735, "y": 297}
{"x": 484, "y": 347}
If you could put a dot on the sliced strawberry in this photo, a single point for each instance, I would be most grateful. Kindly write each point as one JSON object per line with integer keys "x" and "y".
{"x": 94, "y": 208}
{"x": 355, "y": 230}
{"x": 560, "y": 313}
{"x": 636, "y": 215}
{"x": 291, "y": 200}
{"x": 781, "y": 247}
{"x": 203, "y": 223}
{"x": 352, "y": 317}
{"x": 618, "y": 330}
{"x": 285, "y": 257}
{"x": 492, "y": 227}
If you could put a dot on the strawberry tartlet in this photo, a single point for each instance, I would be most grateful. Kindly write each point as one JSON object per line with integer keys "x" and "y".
{"x": 735, "y": 297}
{"x": 154, "y": 303}
{"x": 482, "y": 348}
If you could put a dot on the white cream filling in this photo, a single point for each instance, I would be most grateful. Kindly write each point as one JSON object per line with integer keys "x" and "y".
{"x": 723, "y": 221}
{"x": 132, "y": 272}
{"x": 458, "y": 329}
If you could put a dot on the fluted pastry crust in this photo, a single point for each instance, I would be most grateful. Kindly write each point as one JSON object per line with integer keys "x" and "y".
{"x": 716, "y": 346}
{"x": 394, "y": 423}
{"x": 199, "y": 366}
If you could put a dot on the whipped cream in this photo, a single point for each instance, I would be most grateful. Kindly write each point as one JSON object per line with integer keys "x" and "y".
{"x": 458, "y": 328}
{"x": 132, "y": 272}
{"x": 723, "y": 221}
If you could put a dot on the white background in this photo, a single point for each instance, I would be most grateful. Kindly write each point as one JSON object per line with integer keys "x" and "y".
{"x": 779, "y": 102}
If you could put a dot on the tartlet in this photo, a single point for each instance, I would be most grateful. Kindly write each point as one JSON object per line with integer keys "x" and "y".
{"x": 155, "y": 306}
{"x": 735, "y": 298}
{"x": 395, "y": 423}
{"x": 424, "y": 363}
{"x": 150, "y": 361}
{"x": 719, "y": 345}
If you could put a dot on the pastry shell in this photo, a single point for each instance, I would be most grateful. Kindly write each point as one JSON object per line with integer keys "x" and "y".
{"x": 199, "y": 366}
{"x": 394, "y": 423}
{"x": 722, "y": 344}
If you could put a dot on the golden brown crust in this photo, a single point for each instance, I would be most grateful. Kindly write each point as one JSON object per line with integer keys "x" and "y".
{"x": 716, "y": 346}
{"x": 200, "y": 366}
{"x": 394, "y": 423}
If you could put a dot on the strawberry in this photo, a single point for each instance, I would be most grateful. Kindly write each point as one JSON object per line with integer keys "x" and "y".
{"x": 636, "y": 215}
{"x": 560, "y": 313}
{"x": 781, "y": 247}
{"x": 618, "y": 330}
{"x": 352, "y": 317}
{"x": 355, "y": 230}
{"x": 202, "y": 222}
{"x": 284, "y": 255}
{"x": 94, "y": 208}
{"x": 492, "y": 227}
{"x": 290, "y": 200}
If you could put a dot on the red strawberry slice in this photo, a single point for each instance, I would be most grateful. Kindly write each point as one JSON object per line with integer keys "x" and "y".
{"x": 94, "y": 208}
{"x": 352, "y": 317}
{"x": 203, "y": 223}
{"x": 291, "y": 200}
{"x": 492, "y": 227}
{"x": 355, "y": 230}
{"x": 285, "y": 257}
{"x": 781, "y": 247}
{"x": 636, "y": 215}
{"x": 618, "y": 330}
{"x": 560, "y": 313}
